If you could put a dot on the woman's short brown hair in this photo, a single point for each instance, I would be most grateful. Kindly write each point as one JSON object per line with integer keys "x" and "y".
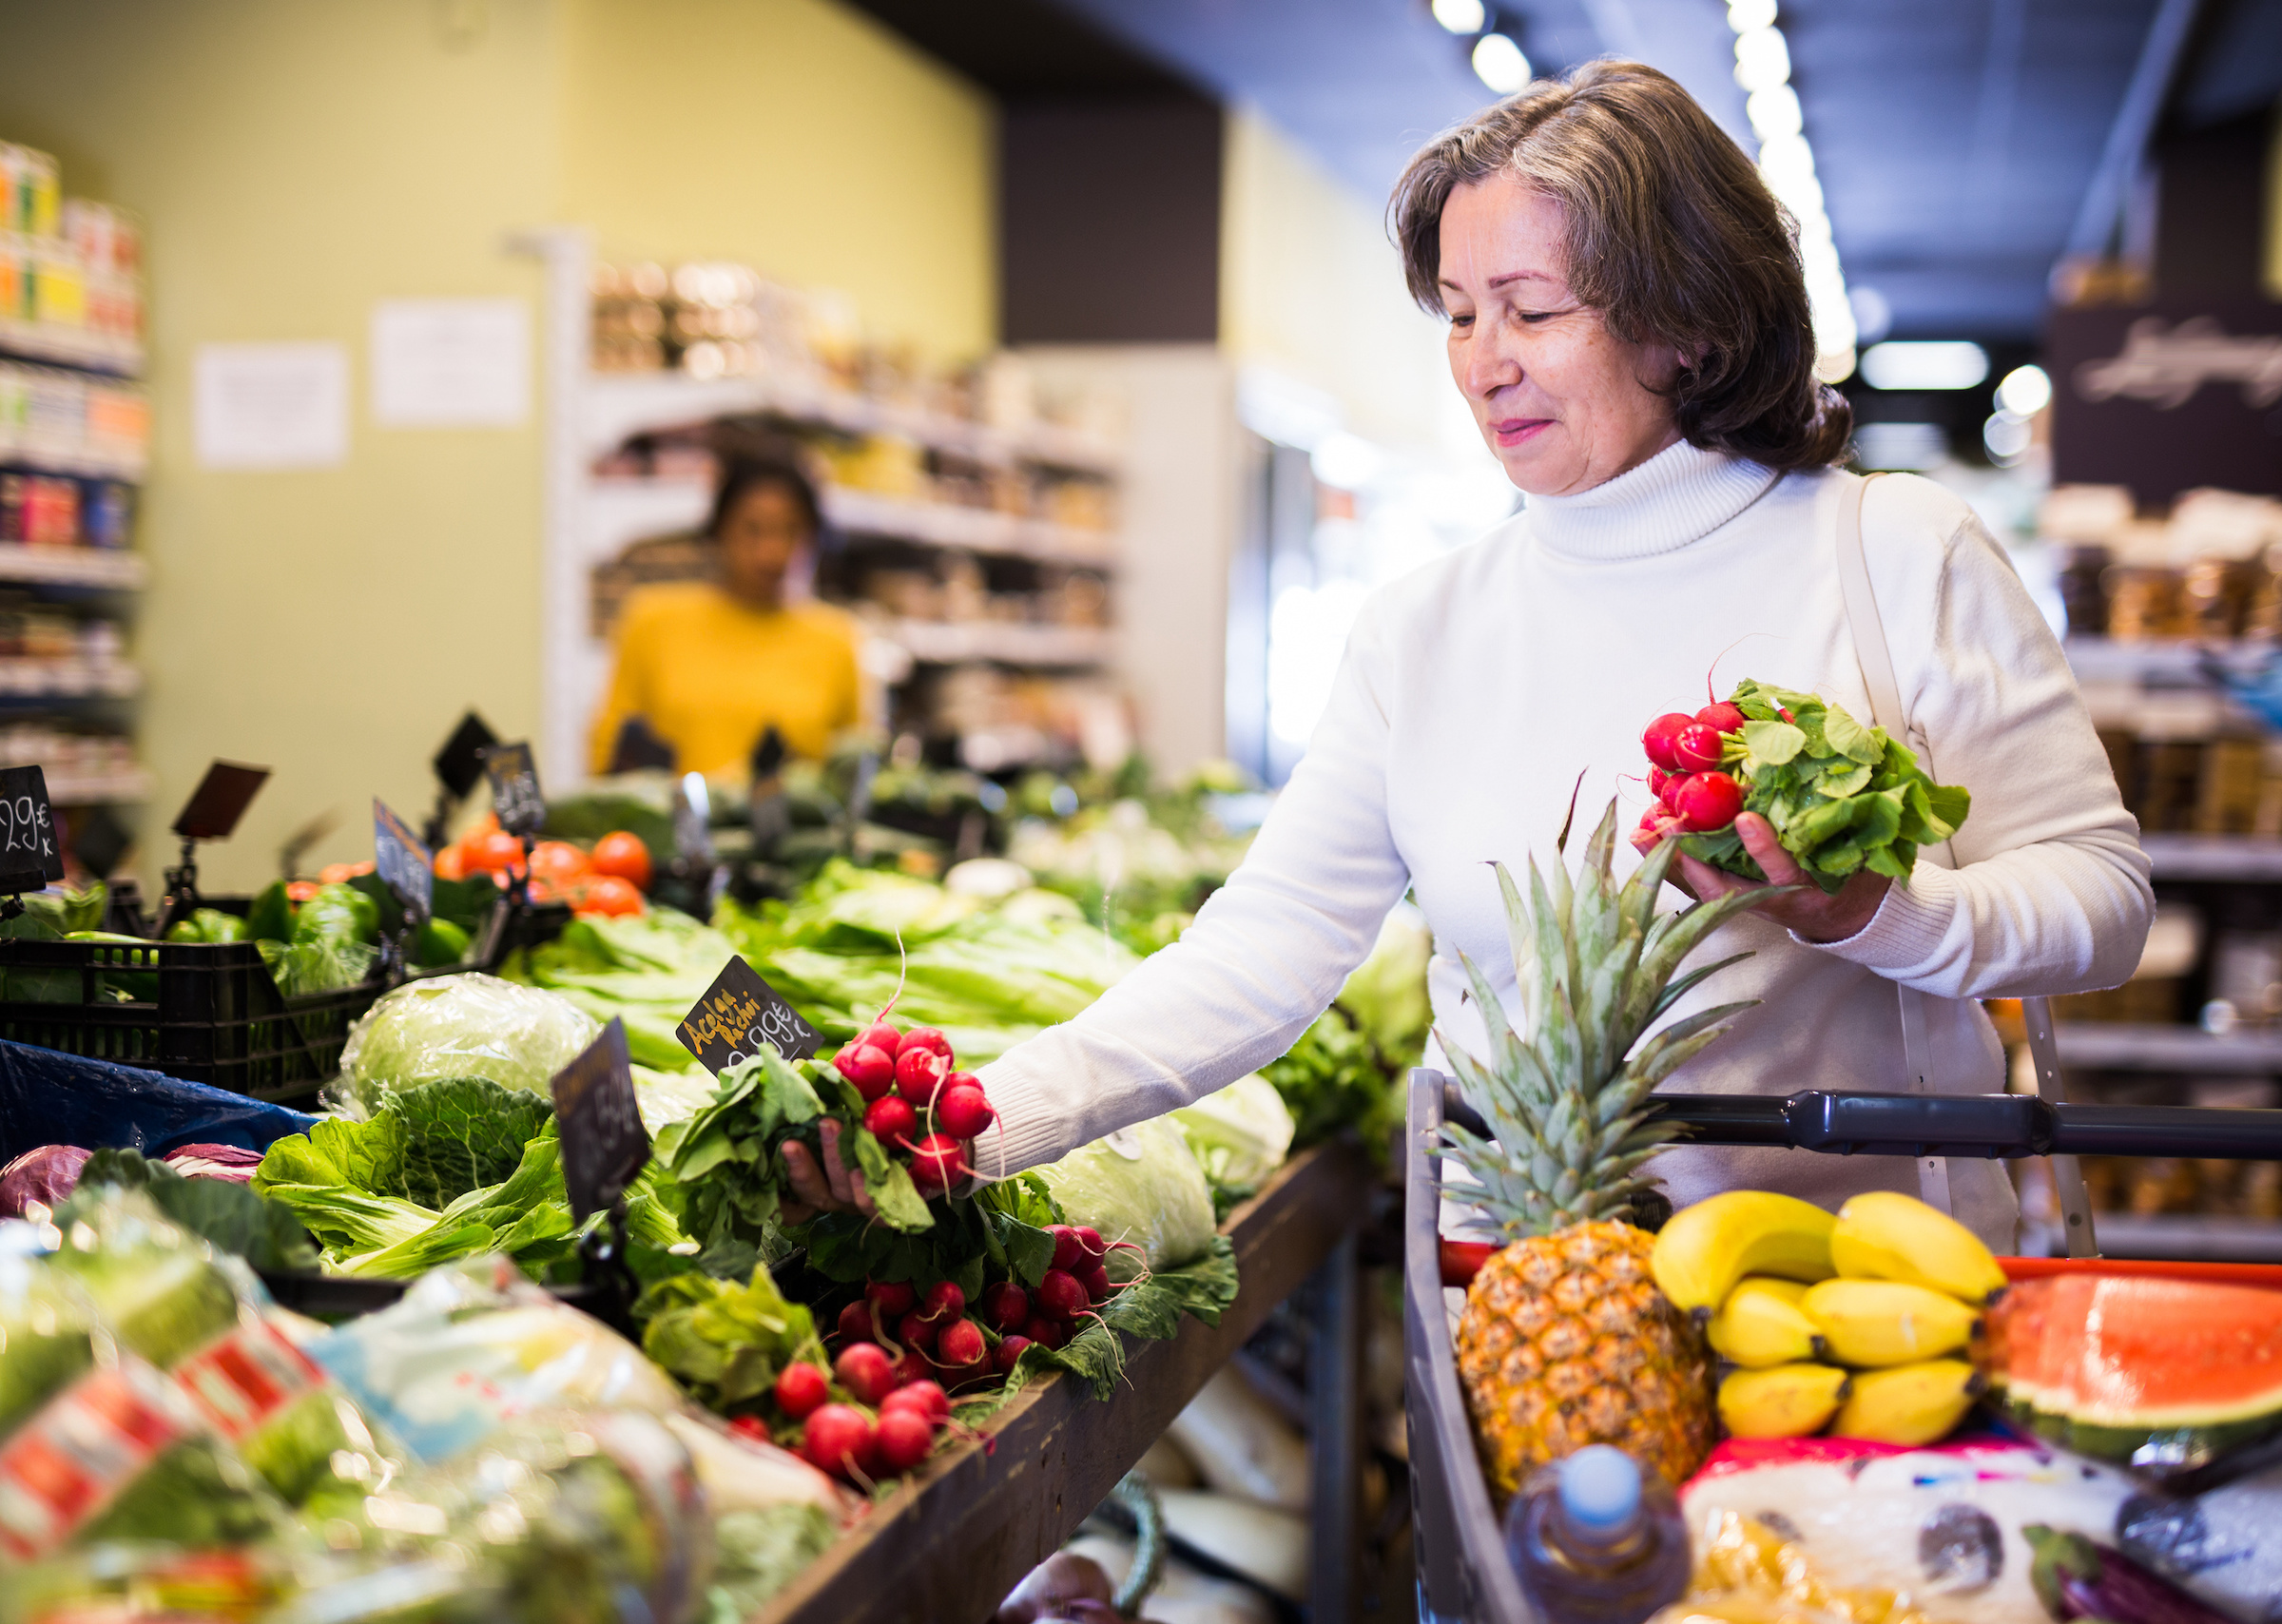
{"x": 1671, "y": 235}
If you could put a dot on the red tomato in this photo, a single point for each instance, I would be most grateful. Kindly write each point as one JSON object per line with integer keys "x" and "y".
{"x": 622, "y": 855}
{"x": 558, "y": 861}
{"x": 450, "y": 863}
{"x": 300, "y": 890}
{"x": 492, "y": 851}
{"x": 342, "y": 873}
{"x": 611, "y": 897}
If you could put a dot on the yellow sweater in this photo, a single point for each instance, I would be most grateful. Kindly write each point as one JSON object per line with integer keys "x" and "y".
{"x": 706, "y": 674}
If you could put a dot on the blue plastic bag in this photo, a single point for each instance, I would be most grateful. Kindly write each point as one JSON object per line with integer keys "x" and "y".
{"x": 47, "y": 1097}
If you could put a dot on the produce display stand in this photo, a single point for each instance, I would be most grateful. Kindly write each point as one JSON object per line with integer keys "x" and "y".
{"x": 1463, "y": 1569}
{"x": 949, "y": 1543}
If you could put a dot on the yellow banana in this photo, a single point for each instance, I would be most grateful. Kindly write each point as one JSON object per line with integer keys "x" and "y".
{"x": 1791, "y": 1400}
{"x": 1884, "y": 1235}
{"x": 1761, "y": 1324}
{"x": 1910, "y": 1404}
{"x": 1883, "y": 1321}
{"x": 1704, "y": 1249}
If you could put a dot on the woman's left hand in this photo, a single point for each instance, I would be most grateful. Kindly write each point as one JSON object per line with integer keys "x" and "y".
{"x": 1811, "y": 912}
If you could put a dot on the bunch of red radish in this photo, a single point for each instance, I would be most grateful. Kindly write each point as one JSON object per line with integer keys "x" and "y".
{"x": 909, "y": 1083}
{"x": 1685, "y": 755}
{"x": 852, "y": 1442}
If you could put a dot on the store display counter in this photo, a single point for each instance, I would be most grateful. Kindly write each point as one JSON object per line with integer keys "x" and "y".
{"x": 956, "y": 1537}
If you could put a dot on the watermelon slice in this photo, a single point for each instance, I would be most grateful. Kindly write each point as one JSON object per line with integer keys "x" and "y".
{"x": 2159, "y": 1373}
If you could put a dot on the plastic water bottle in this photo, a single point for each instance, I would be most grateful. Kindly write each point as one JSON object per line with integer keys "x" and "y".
{"x": 1593, "y": 1543}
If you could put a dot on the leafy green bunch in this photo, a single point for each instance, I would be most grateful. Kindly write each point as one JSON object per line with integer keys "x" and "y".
{"x": 1841, "y": 797}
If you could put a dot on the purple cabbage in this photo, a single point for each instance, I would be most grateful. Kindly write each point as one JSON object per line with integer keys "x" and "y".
{"x": 229, "y": 1162}
{"x": 46, "y": 1175}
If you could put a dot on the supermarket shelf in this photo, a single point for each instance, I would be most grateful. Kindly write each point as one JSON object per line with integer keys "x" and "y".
{"x": 2131, "y": 1046}
{"x": 957, "y": 1533}
{"x": 71, "y": 566}
{"x": 1007, "y": 643}
{"x": 75, "y": 462}
{"x": 977, "y": 529}
{"x": 67, "y": 679}
{"x": 2179, "y": 659}
{"x": 110, "y": 790}
{"x": 71, "y": 346}
{"x": 2251, "y": 857}
{"x": 2185, "y": 1236}
{"x": 621, "y": 404}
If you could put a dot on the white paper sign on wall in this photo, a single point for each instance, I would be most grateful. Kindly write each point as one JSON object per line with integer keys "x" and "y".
{"x": 450, "y": 363}
{"x": 271, "y": 406}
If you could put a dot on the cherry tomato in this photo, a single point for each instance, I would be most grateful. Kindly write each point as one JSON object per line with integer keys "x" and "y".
{"x": 492, "y": 851}
{"x": 611, "y": 897}
{"x": 622, "y": 855}
{"x": 559, "y": 863}
{"x": 450, "y": 863}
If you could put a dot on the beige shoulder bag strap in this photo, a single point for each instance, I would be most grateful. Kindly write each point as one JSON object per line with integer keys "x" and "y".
{"x": 1885, "y": 710}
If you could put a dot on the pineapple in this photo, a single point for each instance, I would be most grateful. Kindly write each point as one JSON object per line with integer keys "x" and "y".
{"x": 1565, "y": 1339}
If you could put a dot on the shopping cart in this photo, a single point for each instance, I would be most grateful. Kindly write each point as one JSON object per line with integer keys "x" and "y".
{"x": 1462, "y": 1571}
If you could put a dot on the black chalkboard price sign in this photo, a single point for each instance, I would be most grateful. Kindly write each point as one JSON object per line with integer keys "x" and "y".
{"x": 604, "y": 1142}
{"x": 515, "y": 797}
{"x": 738, "y": 1016}
{"x": 29, "y": 858}
{"x": 404, "y": 864}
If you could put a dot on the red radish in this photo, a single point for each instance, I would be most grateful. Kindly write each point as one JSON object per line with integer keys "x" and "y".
{"x": 905, "y": 1436}
{"x": 912, "y": 1367}
{"x": 1008, "y": 1350}
{"x": 1051, "y": 1333}
{"x": 749, "y": 1426}
{"x": 893, "y": 1298}
{"x": 800, "y": 1388}
{"x": 882, "y": 1036}
{"x": 961, "y": 1344}
{"x": 926, "y": 1396}
{"x": 978, "y": 1371}
{"x": 1660, "y": 736}
{"x": 1090, "y": 1243}
{"x": 946, "y": 1301}
{"x": 927, "y": 1037}
{"x": 915, "y": 1330}
{"x": 1697, "y": 748}
{"x": 1067, "y": 1252}
{"x": 891, "y": 1119}
{"x": 857, "y": 1324}
{"x": 963, "y": 1112}
{"x": 1654, "y": 820}
{"x": 918, "y": 1073}
{"x": 869, "y": 1069}
{"x": 1007, "y": 1306}
{"x": 1710, "y": 801}
{"x": 1662, "y": 784}
{"x": 837, "y": 1439}
{"x": 1095, "y": 1279}
{"x": 937, "y": 1162}
{"x": 1727, "y": 718}
{"x": 1061, "y": 1295}
{"x": 864, "y": 1370}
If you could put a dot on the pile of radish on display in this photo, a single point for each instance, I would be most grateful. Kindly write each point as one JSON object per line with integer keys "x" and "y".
{"x": 917, "y": 1102}
{"x": 1688, "y": 756}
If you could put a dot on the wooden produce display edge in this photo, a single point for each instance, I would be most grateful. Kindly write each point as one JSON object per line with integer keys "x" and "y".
{"x": 949, "y": 1543}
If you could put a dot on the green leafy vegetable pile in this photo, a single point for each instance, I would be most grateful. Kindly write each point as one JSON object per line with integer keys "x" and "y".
{"x": 1841, "y": 797}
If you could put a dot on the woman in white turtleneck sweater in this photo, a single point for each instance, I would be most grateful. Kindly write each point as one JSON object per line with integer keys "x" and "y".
{"x": 1629, "y": 322}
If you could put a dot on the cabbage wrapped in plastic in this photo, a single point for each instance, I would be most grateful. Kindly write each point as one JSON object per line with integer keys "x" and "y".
{"x": 462, "y": 1026}
{"x": 1239, "y": 1134}
{"x": 1141, "y": 1184}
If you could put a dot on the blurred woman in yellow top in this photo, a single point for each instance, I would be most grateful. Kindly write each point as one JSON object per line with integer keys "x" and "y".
{"x": 707, "y": 665}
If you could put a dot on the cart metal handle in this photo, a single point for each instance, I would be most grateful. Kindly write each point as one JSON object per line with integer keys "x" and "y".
{"x": 1845, "y": 1124}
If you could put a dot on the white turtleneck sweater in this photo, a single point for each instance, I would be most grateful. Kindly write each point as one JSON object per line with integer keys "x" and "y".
{"x": 1474, "y": 691}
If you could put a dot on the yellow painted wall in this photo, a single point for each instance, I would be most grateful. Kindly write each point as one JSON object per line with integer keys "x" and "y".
{"x": 1311, "y": 287}
{"x": 294, "y": 162}
{"x": 796, "y": 136}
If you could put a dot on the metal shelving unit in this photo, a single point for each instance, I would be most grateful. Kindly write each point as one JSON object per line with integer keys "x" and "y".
{"x": 2133, "y": 1046}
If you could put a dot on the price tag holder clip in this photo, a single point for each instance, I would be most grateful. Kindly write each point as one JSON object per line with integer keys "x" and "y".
{"x": 210, "y": 814}
{"x": 604, "y": 1147}
{"x": 30, "y": 859}
{"x": 406, "y": 868}
{"x": 459, "y": 769}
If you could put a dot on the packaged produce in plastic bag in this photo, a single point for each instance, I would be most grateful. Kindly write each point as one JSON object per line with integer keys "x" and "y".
{"x": 472, "y": 1346}
{"x": 165, "y": 1296}
{"x": 581, "y": 1517}
{"x": 1141, "y": 1184}
{"x": 462, "y": 1026}
{"x": 1239, "y": 1134}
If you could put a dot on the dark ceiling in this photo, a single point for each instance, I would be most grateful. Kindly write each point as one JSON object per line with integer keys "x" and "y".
{"x": 1956, "y": 139}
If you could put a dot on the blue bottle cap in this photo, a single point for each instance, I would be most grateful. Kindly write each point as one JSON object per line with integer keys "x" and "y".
{"x": 1600, "y": 1489}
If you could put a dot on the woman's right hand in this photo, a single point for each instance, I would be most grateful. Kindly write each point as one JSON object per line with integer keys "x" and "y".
{"x": 834, "y": 1187}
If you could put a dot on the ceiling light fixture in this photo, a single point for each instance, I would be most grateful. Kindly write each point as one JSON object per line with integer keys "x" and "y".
{"x": 1786, "y": 164}
{"x": 1460, "y": 16}
{"x": 1499, "y": 64}
{"x": 1745, "y": 15}
{"x": 1948, "y": 364}
{"x": 2026, "y": 391}
{"x": 1762, "y": 58}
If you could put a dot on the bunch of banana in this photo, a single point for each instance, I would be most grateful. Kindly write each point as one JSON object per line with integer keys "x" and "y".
{"x": 1857, "y": 1324}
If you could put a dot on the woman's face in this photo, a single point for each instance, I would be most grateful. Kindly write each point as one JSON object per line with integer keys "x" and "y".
{"x": 1563, "y": 403}
{"x": 762, "y": 533}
